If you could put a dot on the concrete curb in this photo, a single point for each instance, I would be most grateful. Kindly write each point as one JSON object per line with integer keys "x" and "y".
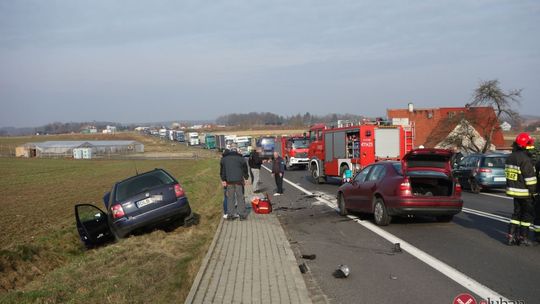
{"x": 204, "y": 265}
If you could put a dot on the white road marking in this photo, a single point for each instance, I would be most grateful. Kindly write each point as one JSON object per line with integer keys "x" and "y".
{"x": 458, "y": 277}
{"x": 488, "y": 215}
{"x": 495, "y": 195}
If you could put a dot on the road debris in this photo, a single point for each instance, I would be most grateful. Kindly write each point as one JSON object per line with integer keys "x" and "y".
{"x": 309, "y": 256}
{"x": 303, "y": 268}
{"x": 342, "y": 272}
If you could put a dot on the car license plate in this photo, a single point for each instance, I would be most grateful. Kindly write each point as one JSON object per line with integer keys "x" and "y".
{"x": 499, "y": 179}
{"x": 148, "y": 201}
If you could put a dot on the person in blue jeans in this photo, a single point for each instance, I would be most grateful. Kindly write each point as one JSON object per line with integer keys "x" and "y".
{"x": 234, "y": 175}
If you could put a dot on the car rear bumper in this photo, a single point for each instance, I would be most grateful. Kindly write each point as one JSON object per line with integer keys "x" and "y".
{"x": 179, "y": 209}
{"x": 491, "y": 184}
{"x": 426, "y": 207}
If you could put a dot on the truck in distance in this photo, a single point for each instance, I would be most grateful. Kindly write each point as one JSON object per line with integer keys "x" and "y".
{"x": 193, "y": 138}
{"x": 294, "y": 150}
{"x": 267, "y": 145}
{"x": 333, "y": 151}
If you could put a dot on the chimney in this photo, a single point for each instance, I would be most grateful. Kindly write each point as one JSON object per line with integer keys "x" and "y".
{"x": 411, "y": 107}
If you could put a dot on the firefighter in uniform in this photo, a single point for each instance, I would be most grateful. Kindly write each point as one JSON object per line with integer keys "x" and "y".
{"x": 521, "y": 185}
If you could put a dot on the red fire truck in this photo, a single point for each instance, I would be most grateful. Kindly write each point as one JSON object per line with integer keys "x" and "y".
{"x": 294, "y": 150}
{"x": 332, "y": 151}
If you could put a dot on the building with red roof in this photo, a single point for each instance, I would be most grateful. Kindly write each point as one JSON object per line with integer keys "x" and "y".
{"x": 464, "y": 127}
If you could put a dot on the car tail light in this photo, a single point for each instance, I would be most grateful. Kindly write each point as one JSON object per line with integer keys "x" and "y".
{"x": 178, "y": 190}
{"x": 457, "y": 189}
{"x": 405, "y": 188}
{"x": 482, "y": 170}
{"x": 117, "y": 211}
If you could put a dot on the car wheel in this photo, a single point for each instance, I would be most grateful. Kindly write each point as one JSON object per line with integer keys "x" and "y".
{"x": 444, "y": 218}
{"x": 341, "y": 205}
{"x": 380, "y": 213}
{"x": 475, "y": 188}
{"x": 189, "y": 220}
{"x": 315, "y": 175}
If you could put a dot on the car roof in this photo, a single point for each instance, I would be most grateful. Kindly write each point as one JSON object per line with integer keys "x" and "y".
{"x": 489, "y": 155}
{"x": 139, "y": 174}
{"x": 496, "y": 155}
{"x": 385, "y": 162}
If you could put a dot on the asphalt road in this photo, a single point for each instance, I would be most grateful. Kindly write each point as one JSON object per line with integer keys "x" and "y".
{"x": 469, "y": 252}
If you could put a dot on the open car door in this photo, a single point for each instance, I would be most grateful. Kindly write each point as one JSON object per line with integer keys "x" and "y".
{"x": 92, "y": 225}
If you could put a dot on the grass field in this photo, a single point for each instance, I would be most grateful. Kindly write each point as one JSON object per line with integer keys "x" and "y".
{"x": 43, "y": 261}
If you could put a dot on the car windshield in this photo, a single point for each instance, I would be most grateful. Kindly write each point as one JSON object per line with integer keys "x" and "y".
{"x": 140, "y": 183}
{"x": 267, "y": 141}
{"x": 300, "y": 143}
{"x": 494, "y": 162}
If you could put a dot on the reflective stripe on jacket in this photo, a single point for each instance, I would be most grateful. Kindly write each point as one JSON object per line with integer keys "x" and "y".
{"x": 520, "y": 175}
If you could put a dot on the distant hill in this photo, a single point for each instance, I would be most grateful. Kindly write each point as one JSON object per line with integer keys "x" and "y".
{"x": 12, "y": 131}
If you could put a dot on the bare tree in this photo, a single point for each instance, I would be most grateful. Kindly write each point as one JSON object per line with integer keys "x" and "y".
{"x": 464, "y": 135}
{"x": 490, "y": 94}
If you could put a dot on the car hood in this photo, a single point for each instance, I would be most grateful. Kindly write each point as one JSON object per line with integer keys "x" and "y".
{"x": 427, "y": 160}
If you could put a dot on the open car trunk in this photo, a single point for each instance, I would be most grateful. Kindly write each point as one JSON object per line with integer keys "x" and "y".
{"x": 435, "y": 184}
{"x": 429, "y": 172}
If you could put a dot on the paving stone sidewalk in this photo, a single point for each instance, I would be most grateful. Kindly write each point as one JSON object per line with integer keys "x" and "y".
{"x": 249, "y": 262}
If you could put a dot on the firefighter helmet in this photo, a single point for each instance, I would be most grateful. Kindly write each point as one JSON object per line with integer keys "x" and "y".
{"x": 524, "y": 140}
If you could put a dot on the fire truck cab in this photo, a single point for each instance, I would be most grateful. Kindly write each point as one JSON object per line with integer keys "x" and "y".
{"x": 332, "y": 151}
{"x": 294, "y": 150}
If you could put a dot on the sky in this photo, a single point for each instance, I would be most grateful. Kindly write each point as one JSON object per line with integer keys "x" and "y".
{"x": 147, "y": 61}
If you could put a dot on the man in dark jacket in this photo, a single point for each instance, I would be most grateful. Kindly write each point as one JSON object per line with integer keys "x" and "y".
{"x": 456, "y": 158}
{"x": 278, "y": 169}
{"x": 255, "y": 162}
{"x": 234, "y": 174}
{"x": 521, "y": 185}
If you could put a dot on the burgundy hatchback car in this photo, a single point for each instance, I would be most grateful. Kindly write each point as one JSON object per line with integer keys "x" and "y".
{"x": 421, "y": 184}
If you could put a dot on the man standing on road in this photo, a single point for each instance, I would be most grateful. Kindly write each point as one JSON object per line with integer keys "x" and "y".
{"x": 234, "y": 174}
{"x": 521, "y": 185}
{"x": 278, "y": 168}
{"x": 255, "y": 162}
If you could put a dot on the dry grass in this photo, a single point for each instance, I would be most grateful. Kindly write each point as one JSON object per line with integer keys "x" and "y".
{"x": 43, "y": 261}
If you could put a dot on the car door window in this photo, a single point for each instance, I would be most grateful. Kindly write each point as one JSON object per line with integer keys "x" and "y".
{"x": 92, "y": 224}
{"x": 377, "y": 173}
{"x": 361, "y": 176}
{"x": 474, "y": 161}
{"x": 463, "y": 163}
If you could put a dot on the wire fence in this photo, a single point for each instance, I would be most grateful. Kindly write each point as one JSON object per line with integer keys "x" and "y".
{"x": 7, "y": 150}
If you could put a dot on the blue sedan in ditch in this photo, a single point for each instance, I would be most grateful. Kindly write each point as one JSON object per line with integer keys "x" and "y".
{"x": 148, "y": 199}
